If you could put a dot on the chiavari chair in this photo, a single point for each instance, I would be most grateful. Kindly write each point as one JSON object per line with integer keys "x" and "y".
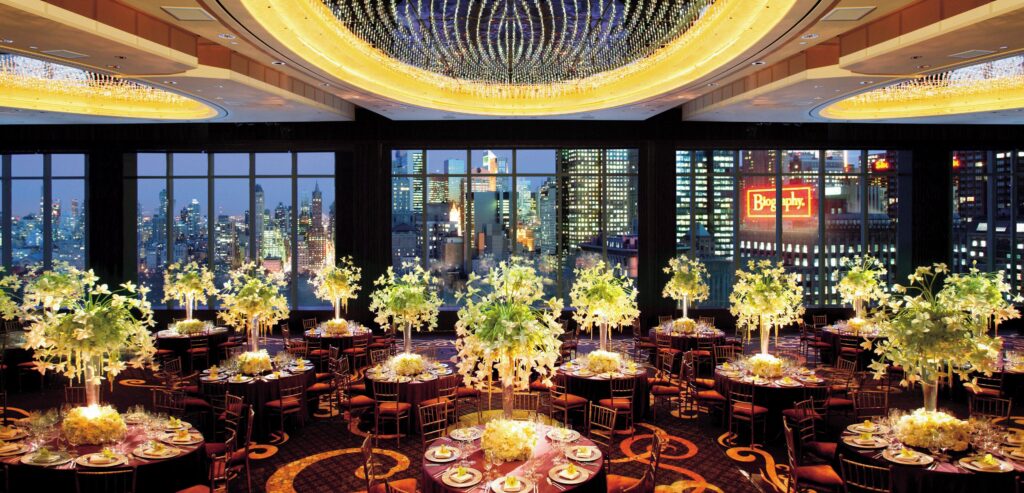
{"x": 621, "y": 400}
{"x": 447, "y": 388}
{"x": 375, "y": 481}
{"x": 819, "y": 321}
{"x": 744, "y": 409}
{"x": 389, "y": 407}
{"x": 358, "y": 351}
{"x": 564, "y": 402}
{"x": 601, "y": 427}
{"x": 989, "y": 408}
{"x": 289, "y": 401}
{"x": 664, "y": 319}
{"x": 74, "y": 395}
{"x": 525, "y": 406}
{"x": 987, "y": 386}
{"x": 347, "y": 399}
{"x": 108, "y": 481}
{"x": 810, "y": 445}
{"x": 709, "y": 399}
{"x": 817, "y": 477}
{"x": 726, "y": 353}
{"x": 666, "y": 390}
{"x": 308, "y": 324}
{"x": 865, "y": 477}
{"x": 642, "y": 344}
{"x": 868, "y": 404}
{"x": 198, "y": 350}
{"x": 169, "y": 401}
{"x": 646, "y": 482}
{"x": 433, "y": 421}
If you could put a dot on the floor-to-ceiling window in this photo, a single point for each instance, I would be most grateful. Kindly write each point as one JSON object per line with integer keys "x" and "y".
{"x": 43, "y": 197}
{"x": 834, "y": 203}
{"x": 988, "y": 226}
{"x": 225, "y": 209}
{"x": 464, "y": 210}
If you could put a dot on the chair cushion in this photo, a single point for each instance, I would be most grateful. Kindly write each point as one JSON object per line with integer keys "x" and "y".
{"x": 669, "y": 350}
{"x": 569, "y": 400}
{"x": 286, "y": 403}
{"x": 652, "y": 381}
{"x": 409, "y": 485}
{"x": 164, "y": 352}
{"x": 710, "y": 395}
{"x": 838, "y": 403}
{"x": 191, "y": 389}
{"x": 821, "y": 475}
{"x": 324, "y": 377}
{"x": 319, "y": 353}
{"x": 746, "y": 409}
{"x": 618, "y": 404}
{"x": 435, "y": 400}
{"x": 700, "y": 353}
{"x": 538, "y": 386}
{"x": 198, "y": 350}
{"x": 986, "y": 391}
{"x": 618, "y": 483}
{"x": 225, "y": 345}
{"x": 393, "y": 407}
{"x": 29, "y": 365}
{"x": 850, "y": 350}
{"x": 196, "y": 403}
{"x": 357, "y": 388}
{"x": 707, "y": 383}
{"x": 820, "y": 345}
{"x": 199, "y": 488}
{"x": 354, "y": 350}
{"x": 822, "y": 450}
{"x": 380, "y": 345}
{"x": 795, "y": 414}
{"x": 466, "y": 392}
{"x": 646, "y": 345}
{"x": 319, "y": 388}
{"x": 664, "y": 390}
{"x": 358, "y": 401}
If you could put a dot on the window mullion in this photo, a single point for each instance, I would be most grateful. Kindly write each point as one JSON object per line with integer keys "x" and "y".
{"x": 5, "y": 209}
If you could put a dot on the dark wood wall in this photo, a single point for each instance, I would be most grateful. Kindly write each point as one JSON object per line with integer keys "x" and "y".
{"x": 363, "y": 184}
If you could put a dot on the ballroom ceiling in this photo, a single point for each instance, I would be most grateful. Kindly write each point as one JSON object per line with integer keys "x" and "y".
{"x": 710, "y": 60}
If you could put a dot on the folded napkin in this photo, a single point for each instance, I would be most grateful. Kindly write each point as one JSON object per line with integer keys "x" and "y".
{"x": 986, "y": 466}
{"x": 460, "y": 478}
{"x": 511, "y": 483}
{"x": 864, "y": 441}
{"x": 443, "y": 453}
{"x": 570, "y": 475}
{"x": 584, "y": 452}
{"x": 100, "y": 459}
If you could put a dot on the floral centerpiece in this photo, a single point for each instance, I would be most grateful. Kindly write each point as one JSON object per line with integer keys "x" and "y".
{"x": 189, "y": 327}
{"x": 93, "y": 425}
{"x": 861, "y": 284}
{"x": 406, "y": 300}
{"x": 407, "y": 364}
{"x": 688, "y": 282}
{"x": 684, "y": 326}
{"x": 337, "y": 326}
{"x": 603, "y": 362}
{"x": 82, "y": 329}
{"x": 252, "y": 301}
{"x": 765, "y": 365}
{"x": 506, "y": 325}
{"x": 254, "y": 362}
{"x": 509, "y": 440}
{"x": 984, "y": 295}
{"x": 188, "y": 284}
{"x": 338, "y": 284}
{"x": 764, "y": 297}
{"x": 928, "y": 334}
{"x": 603, "y": 295}
{"x": 933, "y": 430}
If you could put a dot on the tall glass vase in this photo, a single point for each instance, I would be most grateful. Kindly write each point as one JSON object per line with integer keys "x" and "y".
{"x": 766, "y": 335}
{"x": 930, "y": 389}
{"x": 408, "y": 337}
{"x": 189, "y": 303}
{"x": 92, "y": 385}
{"x": 507, "y": 401}
{"x": 337, "y": 309}
{"x": 602, "y": 344}
{"x": 858, "y": 308}
{"x": 254, "y": 334}
{"x": 684, "y": 305}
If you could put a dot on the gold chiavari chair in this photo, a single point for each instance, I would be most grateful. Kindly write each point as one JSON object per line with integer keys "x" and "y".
{"x": 109, "y": 481}
{"x": 987, "y": 407}
{"x": 621, "y": 400}
{"x": 376, "y": 482}
{"x": 389, "y": 407}
{"x": 564, "y": 402}
{"x": 433, "y": 421}
{"x": 198, "y": 350}
{"x": 744, "y": 409}
{"x": 447, "y": 390}
{"x": 702, "y": 399}
{"x": 868, "y": 404}
{"x": 601, "y": 427}
{"x": 817, "y": 477}
{"x": 646, "y": 482}
{"x": 865, "y": 477}
{"x": 709, "y": 321}
{"x": 358, "y": 351}
{"x": 810, "y": 445}
{"x": 819, "y": 321}
{"x": 664, "y": 319}
{"x": 378, "y": 356}
{"x": 308, "y": 324}
{"x": 726, "y": 353}
{"x": 289, "y": 401}
{"x": 347, "y": 399}
{"x": 169, "y": 401}
{"x": 987, "y": 386}
{"x": 525, "y": 406}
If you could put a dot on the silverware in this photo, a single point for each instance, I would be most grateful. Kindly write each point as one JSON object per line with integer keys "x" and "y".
{"x": 556, "y": 485}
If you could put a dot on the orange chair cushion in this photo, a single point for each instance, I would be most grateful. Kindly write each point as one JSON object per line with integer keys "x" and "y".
{"x": 822, "y": 450}
{"x": 195, "y": 402}
{"x": 665, "y": 390}
{"x": 669, "y": 350}
{"x": 798, "y": 414}
{"x": 323, "y": 377}
{"x": 286, "y": 403}
{"x": 354, "y": 350}
{"x": 821, "y": 475}
{"x": 319, "y": 353}
{"x": 198, "y": 350}
{"x": 569, "y": 400}
{"x": 462, "y": 392}
{"x": 618, "y": 404}
{"x": 700, "y": 353}
{"x": 707, "y": 383}
{"x": 358, "y": 401}
{"x": 436, "y": 400}
{"x": 393, "y": 407}
{"x": 538, "y": 386}
{"x": 838, "y": 403}
{"x": 710, "y": 395}
{"x": 317, "y": 388}
{"x": 618, "y": 483}
{"x": 401, "y": 486}
{"x": 746, "y": 409}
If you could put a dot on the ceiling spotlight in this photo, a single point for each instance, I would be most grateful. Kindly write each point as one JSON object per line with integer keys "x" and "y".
{"x": 866, "y": 82}
{"x": 277, "y": 62}
{"x": 803, "y": 42}
{"x": 120, "y": 57}
{"x": 8, "y": 41}
{"x": 924, "y": 66}
{"x": 809, "y": 36}
{"x": 324, "y": 84}
{"x": 114, "y": 66}
{"x": 226, "y": 36}
{"x": 234, "y": 42}
{"x": 759, "y": 62}
{"x": 1003, "y": 47}
{"x": 33, "y": 47}
{"x": 712, "y": 84}
{"x": 171, "y": 82}
{"x": 915, "y": 57}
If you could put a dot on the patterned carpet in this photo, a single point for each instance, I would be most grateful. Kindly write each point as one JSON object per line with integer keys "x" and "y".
{"x": 323, "y": 455}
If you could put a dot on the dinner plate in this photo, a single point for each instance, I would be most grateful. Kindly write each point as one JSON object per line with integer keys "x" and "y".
{"x": 403, "y": 379}
{"x": 242, "y": 379}
{"x": 208, "y": 378}
{"x": 859, "y": 428}
{"x": 525, "y": 485}
{"x": 475, "y": 479}
{"x": 919, "y": 459}
{"x": 19, "y": 448}
{"x": 426, "y": 378}
{"x": 270, "y": 376}
{"x": 433, "y": 458}
{"x": 553, "y": 473}
{"x": 181, "y": 425}
{"x": 877, "y": 443}
{"x": 584, "y": 373}
{"x": 57, "y": 459}
{"x": 1014, "y": 453}
{"x": 193, "y": 438}
{"x": 594, "y": 455}
{"x": 792, "y": 383}
{"x": 969, "y": 463}
{"x": 86, "y": 460}
{"x": 146, "y": 453}
{"x": 557, "y": 435}
{"x": 466, "y": 434}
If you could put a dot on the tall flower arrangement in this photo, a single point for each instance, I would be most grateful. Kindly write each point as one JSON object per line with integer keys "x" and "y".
{"x": 406, "y": 299}
{"x": 927, "y": 334}
{"x": 9, "y": 285}
{"x": 338, "y": 284}
{"x": 603, "y": 295}
{"x": 188, "y": 284}
{"x": 688, "y": 282}
{"x": 766, "y": 297}
{"x": 251, "y": 300}
{"x": 79, "y": 327}
{"x": 506, "y": 325}
{"x": 861, "y": 283}
{"x": 984, "y": 295}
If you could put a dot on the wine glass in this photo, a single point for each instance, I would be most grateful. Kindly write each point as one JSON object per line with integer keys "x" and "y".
{"x": 488, "y": 464}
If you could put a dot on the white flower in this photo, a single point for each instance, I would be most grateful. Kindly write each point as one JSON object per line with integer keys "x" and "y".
{"x": 509, "y": 440}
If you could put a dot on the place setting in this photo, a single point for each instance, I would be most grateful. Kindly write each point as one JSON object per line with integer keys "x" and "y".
{"x": 105, "y": 458}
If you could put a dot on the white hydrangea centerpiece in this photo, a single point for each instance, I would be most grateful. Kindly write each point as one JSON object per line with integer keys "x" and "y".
{"x": 933, "y": 430}
{"x": 684, "y": 326}
{"x": 190, "y": 327}
{"x": 509, "y": 440}
{"x": 407, "y": 364}
{"x": 765, "y": 365}
{"x": 93, "y": 425}
{"x": 338, "y": 326}
{"x": 603, "y": 361}
{"x": 254, "y": 362}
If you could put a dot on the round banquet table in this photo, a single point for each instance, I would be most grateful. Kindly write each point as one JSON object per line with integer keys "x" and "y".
{"x": 940, "y": 477}
{"x": 342, "y": 342}
{"x": 169, "y": 339}
{"x": 152, "y": 475}
{"x": 261, "y": 390}
{"x": 686, "y": 342}
{"x": 832, "y": 336}
{"x": 595, "y": 388}
{"x": 544, "y": 452}
{"x": 413, "y": 392}
{"x": 771, "y": 395}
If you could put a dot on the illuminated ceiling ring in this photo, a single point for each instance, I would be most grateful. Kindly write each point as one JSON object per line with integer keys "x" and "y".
{"x": 39, "y": 85}
{"x": 705, "y": 40}
{"x": 989, "y": 86}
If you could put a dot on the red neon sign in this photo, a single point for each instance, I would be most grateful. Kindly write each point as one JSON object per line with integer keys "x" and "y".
{"x": 881, "y": 165}
{"x": 797, "y": 202}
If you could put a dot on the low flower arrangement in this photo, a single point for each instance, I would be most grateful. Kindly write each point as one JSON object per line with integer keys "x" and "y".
{"x": 509, "y": 440}
{"x": 856, "y": 324}
{"x": 933, "y": 430}
{"x": 189, "y": 327}
{"x": 337, "y": 326}
{"x": 684, "y": 326}
{"x": 254, "y": 362}
{"x": 407, "y": 364}
{"x": 765, "y": 365}
{"x": 603, "y": 361}
{"x": 93, "y": 425}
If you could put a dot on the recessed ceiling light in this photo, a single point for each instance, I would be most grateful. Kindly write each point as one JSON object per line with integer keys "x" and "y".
{"x": 809, "y": 36}
{"x": 1003, "y": 47}
{"x": 759, "y": 62}
{"x": 66, "y": 53}
{"x": 803, "y": 42}
{"x": 848, "y": 13}
{"x": 710, "y": 84}
{"x": 114, "y": 66}
{"x": 171, "y": 82}
{"x": 915, "y": 57}
{"x": 120, "y": 57}
{"x": 33, "y": 47}
{"x": 234, "y": 42}
{"x": 188, "y": 13}
{"x": 277, "y": 62}
{"x": 324, "y": 84}
{"x": 8, "y": 41}
{"x": 226, "y": 36}
{"x": 971, "y": 53}
{"x": 924, "y": 66}
{"x": 866, "y": 82}
{"x": 817, "y": 98}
